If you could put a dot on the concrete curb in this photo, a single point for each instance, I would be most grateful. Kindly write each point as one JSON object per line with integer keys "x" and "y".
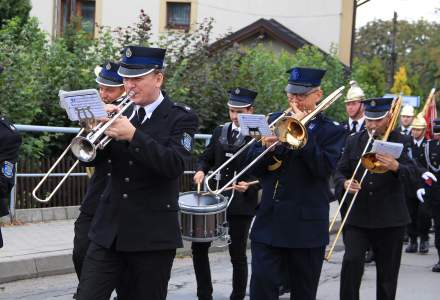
{"x": 36, "y": 215}
{"x": 47, "y": 264}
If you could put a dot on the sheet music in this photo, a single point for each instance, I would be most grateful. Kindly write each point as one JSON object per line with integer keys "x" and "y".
{"x": 82, "y": 104}
{"x": 252, "y": 123}
{"x": 382, "y": 147}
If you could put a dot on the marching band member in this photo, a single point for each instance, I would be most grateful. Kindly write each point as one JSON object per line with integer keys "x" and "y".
{"x": 379, "y": 214}
{"x": 111, "y": 88}
{"x": 136, "y": 226}
{"x": 420, "y": 218}
{"x": 354, "y": 109}
{"x": 291, "y": 224}
{"x": 10, "y": 142}
{"x": 406, "y": 118}
{"x": 432, "y": 184}
{"x": 225, "y": 141}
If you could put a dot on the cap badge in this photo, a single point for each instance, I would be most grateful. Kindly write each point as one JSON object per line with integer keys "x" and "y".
{"x": 373, "y": 103}
{"x": 108, "y": 66}
{"x": 237, "y": 91}
{"x": 128, "y": 52}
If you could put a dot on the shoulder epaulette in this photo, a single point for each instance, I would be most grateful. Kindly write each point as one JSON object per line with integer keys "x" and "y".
{"x": 183, "y": 107}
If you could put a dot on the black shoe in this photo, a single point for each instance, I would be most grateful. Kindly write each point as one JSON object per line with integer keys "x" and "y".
{"x": 436, "y": 267}
{"x": 411, "y": 248}
{"x": 369, "y": 256}
{"x": 424, "y": 246}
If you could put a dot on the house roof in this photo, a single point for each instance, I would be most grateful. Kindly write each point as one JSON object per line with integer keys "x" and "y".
{"x": 270, "y": 28}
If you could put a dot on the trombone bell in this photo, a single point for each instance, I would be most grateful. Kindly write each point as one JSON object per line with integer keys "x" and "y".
{"x": 83, "y": 149}
{"x": 291, "y": 132}
{"x": 370, "y": 162}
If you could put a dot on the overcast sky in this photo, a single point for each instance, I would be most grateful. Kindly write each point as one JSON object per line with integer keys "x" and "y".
{"x": 410, "y": 10}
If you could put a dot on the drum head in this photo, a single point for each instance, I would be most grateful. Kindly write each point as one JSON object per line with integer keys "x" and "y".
{"x": 197, "y": 203}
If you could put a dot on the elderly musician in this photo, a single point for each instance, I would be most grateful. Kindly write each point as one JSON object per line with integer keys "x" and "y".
{"x": 291, "y": 225}
{"x": 379, "y": 215}
{"x": 136, "y": 226}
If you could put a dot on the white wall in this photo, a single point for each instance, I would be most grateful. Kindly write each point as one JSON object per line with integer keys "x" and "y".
{"x": 318, "y": 21}
{"x": 43, "y": 10}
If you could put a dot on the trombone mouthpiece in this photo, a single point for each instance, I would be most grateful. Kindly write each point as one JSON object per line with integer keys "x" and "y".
{"x": 131, "y": 94}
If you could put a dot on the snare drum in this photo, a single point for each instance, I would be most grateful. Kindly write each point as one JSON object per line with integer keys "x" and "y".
{"x": 202, "y": 217}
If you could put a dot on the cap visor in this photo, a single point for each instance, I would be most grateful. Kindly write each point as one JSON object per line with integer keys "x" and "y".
{"x": 238, "y": 104}
{"x": 375, "y": 115}
{"x": 106, "y": 82}
{"x": 125, "y": 72}
{"x": 298, "y": 89}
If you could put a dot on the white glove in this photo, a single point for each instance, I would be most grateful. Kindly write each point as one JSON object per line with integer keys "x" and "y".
{"x": 429, "y": 175}
{"x": 420, "y": 194}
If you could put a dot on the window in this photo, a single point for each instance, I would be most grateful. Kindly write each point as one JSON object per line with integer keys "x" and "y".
{"x": 178, "y": 15}
{"x": 69, "y": 9}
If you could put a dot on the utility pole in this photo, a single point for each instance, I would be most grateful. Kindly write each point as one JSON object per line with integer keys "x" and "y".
{"x": 393, "y": 51}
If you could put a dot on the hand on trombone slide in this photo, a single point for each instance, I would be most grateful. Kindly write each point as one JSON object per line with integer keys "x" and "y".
{"x": 267, "y": 141}
{"x": 353, "y": 186}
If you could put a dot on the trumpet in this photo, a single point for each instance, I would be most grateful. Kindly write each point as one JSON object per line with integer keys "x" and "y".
{"x": 290, "y": 132}
{"x": 85, "y": 148}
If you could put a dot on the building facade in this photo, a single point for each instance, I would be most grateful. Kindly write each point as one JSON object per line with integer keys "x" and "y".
{"x": 324, "y": 23}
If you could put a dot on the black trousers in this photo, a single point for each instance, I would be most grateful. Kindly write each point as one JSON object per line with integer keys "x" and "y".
{"x": 239, "y": 232}
{"x": 420, "y": 220}
{"x": 103, "y": 269}
{"x": 387, "y": 247}
{"x": 81, "y": 241}
{"x": 304, "y": 266}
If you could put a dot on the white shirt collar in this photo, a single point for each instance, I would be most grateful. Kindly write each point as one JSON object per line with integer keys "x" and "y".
{"x": 149, "y": 108}
{"x": 402, "y": 129}
{"x": 418, "y": 142}
{"x": 359, "y": 123}
{"x": 235, "y": 127}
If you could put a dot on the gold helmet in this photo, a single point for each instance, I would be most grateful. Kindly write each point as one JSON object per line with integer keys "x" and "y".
{"x": 355, "y": 93}
{"x": 418, "y": 123}
{"x": 407, "y": 110}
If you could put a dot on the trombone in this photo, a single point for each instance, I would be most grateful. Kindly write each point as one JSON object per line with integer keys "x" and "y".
{"x": 289, "y": 130}
{"x": 370, "y": 163}
{"x": 75, "y": 146}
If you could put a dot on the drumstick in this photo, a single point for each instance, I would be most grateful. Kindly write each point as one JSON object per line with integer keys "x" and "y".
{"x": 198, "y": 188}
{"x": 230, "y": 188}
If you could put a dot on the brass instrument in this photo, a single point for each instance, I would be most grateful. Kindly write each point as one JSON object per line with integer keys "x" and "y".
{"x": 82, "y": 148}
{"x": 370, "y": 163}
{"x": 290, "y": 132}
{"x": 369, "y": 160}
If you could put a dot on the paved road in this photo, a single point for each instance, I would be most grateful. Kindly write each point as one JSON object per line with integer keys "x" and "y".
{"x": 416, "y": 281}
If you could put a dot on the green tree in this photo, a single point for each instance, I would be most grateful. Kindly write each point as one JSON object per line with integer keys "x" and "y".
{"x": 417, "y": 48}
{"x": 370, "y": 75}
{"x": 14, "y": 8}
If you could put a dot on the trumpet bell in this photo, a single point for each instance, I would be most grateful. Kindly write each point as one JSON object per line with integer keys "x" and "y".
{"x": 83, "y": 149}
{"x": 291, "y": 132}
{"x": 370, "y": 162}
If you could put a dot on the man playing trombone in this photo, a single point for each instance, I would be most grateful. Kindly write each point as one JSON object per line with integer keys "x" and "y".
{"x": 379, "y": 215}
{"x": 291, "y": 224}
{"x": 225, "y": 141}
{"x": 136, "y": 228}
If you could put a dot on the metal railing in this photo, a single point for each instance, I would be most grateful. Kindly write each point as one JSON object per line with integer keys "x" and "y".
{"x": 68, "y": 130}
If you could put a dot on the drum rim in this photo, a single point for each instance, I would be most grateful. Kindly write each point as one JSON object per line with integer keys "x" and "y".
{"x": 219, "y": 207}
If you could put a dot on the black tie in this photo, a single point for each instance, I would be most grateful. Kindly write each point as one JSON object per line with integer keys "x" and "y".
{"x": 353, "y": 126}
{"x": 234, "y": 135}
{"x": 140, "y": 116}
{"x": 405, "y": 131}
